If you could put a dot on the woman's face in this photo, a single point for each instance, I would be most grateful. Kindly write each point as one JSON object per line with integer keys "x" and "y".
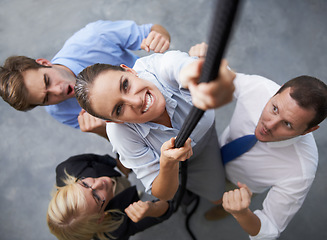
{"x": 121, "y": 96}
{"x": 98, "y": 192}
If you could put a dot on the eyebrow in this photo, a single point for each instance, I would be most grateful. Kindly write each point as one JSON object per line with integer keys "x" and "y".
{"x": 120, "y": 90}
{"x": 93, "y": 191}
{"x": 285, "y": 120}
{"x": 45, "y": 86}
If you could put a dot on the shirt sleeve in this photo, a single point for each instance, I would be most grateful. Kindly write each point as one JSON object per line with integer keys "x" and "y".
{"x": 65, "y": 112}
{"x": 165, "y": 66}
{"x": 126, "y": 34}
{"x": 279, "y": 207}
{"x": 102, "y": 42}
{"x": 67, "y": 119}
{"x": 247, "y": 83}
{"x": 171, "y": 64}
{"x": 138, "y": 156}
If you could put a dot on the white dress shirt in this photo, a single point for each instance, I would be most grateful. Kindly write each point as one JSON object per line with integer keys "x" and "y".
{"x": 287, "y": 168}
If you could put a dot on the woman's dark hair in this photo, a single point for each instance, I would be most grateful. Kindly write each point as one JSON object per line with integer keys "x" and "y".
{"x": 84, "y": 82}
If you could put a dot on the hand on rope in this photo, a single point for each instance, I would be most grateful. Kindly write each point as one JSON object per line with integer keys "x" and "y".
{"x": 170, "y": 154}
{"x": 214, "y": 94}
{"x": 166, "y": 183}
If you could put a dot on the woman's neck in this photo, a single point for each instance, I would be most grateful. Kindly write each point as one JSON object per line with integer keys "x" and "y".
{"x": 164, "y": 119}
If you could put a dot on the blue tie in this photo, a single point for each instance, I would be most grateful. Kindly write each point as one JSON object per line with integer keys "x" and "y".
{"x": 237, "y": 147}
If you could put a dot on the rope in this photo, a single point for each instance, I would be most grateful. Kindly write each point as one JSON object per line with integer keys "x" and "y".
{"x": 224, "y": 16}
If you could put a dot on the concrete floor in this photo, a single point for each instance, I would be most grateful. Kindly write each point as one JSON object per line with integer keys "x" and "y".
{"x": 278, "y": 39}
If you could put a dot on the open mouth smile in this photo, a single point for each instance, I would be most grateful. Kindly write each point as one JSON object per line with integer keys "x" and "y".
{"x": 148, "y": 102}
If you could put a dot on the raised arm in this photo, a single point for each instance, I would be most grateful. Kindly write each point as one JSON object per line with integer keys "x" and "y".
{"x": 139, "y": 210}
{"x": 237, "y": 203}
{"x": 146, "y": 214}
{"x": 88, "y": 123}
{"x": 165, "y": 185}
{"x": 208, "y": 95}
{"x": 158, "y": 40}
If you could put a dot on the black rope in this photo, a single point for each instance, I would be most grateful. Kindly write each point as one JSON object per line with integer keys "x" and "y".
{"x": 224, "y": 16}
{"x": 189, "y": 215}
{"x": 221, "y": 28}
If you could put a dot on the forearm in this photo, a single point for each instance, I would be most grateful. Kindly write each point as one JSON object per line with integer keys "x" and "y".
{"x": 160, "y": 29}
{"x": 89, "y": 123}
{"x": 158, "y": 209}
{"x": 166, "y": 183}
{"x": 101, "y": 132}
{"x": 249, "y": 222}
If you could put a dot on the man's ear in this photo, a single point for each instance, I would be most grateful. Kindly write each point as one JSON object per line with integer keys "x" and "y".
{"x": 128, "y": 69}
{"x": 311, "y": 130}
{"x": 43, "y": 61}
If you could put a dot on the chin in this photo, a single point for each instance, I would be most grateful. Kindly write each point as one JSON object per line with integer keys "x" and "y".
{"x": 260, "y": 137}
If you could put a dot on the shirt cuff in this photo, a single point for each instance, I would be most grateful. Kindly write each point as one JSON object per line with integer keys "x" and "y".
{"x": 267, "y": 230}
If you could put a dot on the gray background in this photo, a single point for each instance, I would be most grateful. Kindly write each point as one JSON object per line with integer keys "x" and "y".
{"x": 278, "y": 39}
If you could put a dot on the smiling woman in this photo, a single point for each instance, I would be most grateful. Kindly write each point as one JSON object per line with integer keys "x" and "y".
{"x": 98, "y": 202}
{"x": 151, "y": 104}
{"x": 124, "y": 97}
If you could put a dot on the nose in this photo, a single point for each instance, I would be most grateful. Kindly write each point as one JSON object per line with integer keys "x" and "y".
{"x": 97, "y": 185}
{"x": 135, "y": 101}
{"x": 55, "y": 90}
{"x": 272, "y": 123}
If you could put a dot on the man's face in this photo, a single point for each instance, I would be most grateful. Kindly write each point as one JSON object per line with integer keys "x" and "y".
{"x": 48, "y": 86}
{"x": 282, "y": 119}
{"x": 123, "y": 97}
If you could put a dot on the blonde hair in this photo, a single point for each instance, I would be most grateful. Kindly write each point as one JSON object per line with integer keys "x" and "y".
{"x": 66, "y": 220}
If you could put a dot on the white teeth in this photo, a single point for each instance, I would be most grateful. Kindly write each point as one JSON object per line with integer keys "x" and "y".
{"x": 148, "y": 99}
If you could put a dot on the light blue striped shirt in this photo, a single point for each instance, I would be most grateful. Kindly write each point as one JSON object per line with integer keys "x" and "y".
{"x": 139, "y": 144}
{"x": 98, "y": 42}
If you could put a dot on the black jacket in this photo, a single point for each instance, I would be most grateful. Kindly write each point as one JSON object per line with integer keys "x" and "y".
{"x": 92, "y": 165}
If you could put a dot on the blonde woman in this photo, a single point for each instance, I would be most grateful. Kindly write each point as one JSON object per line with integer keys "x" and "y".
{"x": 93, "y": 201}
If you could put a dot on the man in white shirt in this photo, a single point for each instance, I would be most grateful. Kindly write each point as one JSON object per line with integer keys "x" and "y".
{"x": 285, "y": 158}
